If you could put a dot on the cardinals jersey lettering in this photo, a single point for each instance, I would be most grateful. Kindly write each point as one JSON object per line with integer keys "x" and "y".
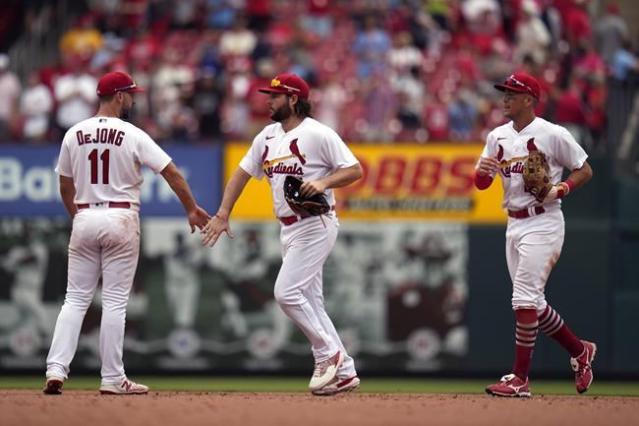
{"x": 104, "y": 156}
{"x": 309, "y": 151}
{"x": 511, "y": 149}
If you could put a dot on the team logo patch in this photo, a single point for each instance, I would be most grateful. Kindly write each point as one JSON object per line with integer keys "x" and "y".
{"x": 277, "y": 166}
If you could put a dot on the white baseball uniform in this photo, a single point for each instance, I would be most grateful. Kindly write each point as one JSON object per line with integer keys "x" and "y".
{"x": 533, "y": 244}
{"x": 309, "y": 151}
{"x": 182, "y": 281}
{"x": 103, "y": 155}
{"x": 28, "y": 263}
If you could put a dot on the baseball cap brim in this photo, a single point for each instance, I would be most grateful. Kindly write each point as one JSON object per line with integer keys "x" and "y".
{"x": 506, "y": 88}
{"x": 130, "y": 90}
{"x": 275, "y": 90}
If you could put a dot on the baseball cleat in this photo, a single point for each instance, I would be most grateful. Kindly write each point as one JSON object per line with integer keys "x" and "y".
{"x": 325, "y": 371}
{"x": 338, "y": 386}
{"x": 126, "y": 387}
{"x": 582, "y": 366}
{"x": 53, "y": 385}
{"x": 510, "y": 386}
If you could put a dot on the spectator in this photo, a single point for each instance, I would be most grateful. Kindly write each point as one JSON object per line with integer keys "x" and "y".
{"x": 371, "y": 47}
{"x": 571, "y": 113}
{"x": 595, "y": 107}
{"x": 330, "y": 100}
{"x": 36, "y": 105}
{"x": 577, "y": 23}
{"x": 259, "y": 112}
{"x": 259, "y": 14}
{"x": 10, "y": 88}
{"x": 75, "y": 95}
{"x": 185, "y": 14}
{"x": 408, "y": 119}
{"x": 462, "y": 115}
{"x": 409, "y": 86}
{"x": 220, "y": 13}
{"x": 172, "y": 83}
{"x": 404, "y": 55}
{"x": 318, "y": 20}
{"x": 141, "y": 49}
{"x": 380, "y": 103}
{"x": 484, "y": 28}
{"x": 235, "y": 114}
{"x": 82, "y": 40}
{"x": 436, "y": 117}
{"x": 588, "y": 65}
{"x": 533, "y": 37}
{"x": 610, "y": 32}
{"x": 207, "y": 103}
{"x": 624, "y": 62}
{"x": 111, "y": 48}
{"x": 238, "y": 41}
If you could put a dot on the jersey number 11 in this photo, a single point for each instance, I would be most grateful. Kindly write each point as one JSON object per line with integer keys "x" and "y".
{"x": 94, "y": 159}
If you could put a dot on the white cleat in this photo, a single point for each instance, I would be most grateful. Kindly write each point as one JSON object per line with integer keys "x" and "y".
{"x": 338, "y": 386}
{"x": 53, "y": 385}
{"x": 325, "y": 371}
{"x": 126, "y": 387}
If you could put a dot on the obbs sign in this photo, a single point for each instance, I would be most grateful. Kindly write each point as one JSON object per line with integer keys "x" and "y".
{"x": 412, "y": 182}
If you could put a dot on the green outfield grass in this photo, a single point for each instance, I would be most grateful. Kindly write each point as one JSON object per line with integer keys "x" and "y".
{"x": 369, "y": 385}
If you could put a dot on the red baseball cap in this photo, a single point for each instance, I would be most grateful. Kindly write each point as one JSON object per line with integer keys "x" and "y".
{"x": 117, "y": 81}
{"x": 289, "y": 84}
{"x": 521, "y": 82}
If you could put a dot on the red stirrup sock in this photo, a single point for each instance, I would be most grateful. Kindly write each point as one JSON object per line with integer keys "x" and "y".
{"x": 525, "y": 336}
{"x": 551, "y": 323}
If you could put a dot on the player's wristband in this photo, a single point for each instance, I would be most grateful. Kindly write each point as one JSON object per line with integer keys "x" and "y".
{"x": 482, "y": 181}
{"x": 564, "y": 188}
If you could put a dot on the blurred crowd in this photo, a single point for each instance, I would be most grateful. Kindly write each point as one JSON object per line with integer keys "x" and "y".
{"x": 381, "y": 70}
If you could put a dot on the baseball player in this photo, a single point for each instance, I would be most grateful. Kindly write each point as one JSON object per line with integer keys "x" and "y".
{"x": 100, "y": 179}
{"x": 182, "y": 281}
{"x": 298, "y": 145}
{"x": 28, "y": 263}
{"x": 535, "y": 230}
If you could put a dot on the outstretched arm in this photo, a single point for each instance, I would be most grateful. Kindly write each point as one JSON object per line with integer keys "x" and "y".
{"x": 220, "y": 222}
{"x": 196, "y": 215}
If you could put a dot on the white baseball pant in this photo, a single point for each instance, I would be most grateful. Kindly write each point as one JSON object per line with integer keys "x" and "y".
{"x": 533, "y": 246}
{"x": 299, "y": 291}
{"x": 104, "y": 241}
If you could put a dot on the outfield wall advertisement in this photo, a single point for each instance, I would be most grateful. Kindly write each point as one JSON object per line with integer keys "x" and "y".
{"x": 29, "y": 184}
{"x": 397, "y": 294}
{"x": 414, "y": 182}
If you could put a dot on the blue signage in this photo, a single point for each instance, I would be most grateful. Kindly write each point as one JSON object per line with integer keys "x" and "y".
{"x": 29, "y": 184}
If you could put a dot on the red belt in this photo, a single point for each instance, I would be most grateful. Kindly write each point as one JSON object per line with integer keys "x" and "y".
{"x": 523, "y": 214}
{"x": 111, "y": 204}
{"x": 289, "y": 220}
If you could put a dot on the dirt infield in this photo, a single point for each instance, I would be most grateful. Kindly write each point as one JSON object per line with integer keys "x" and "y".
{"x": 266, "y": 409}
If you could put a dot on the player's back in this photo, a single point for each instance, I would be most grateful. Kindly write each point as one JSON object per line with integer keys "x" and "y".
{"x": 104, "y": 158}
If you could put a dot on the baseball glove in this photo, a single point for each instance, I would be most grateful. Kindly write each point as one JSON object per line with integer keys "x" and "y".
{"x": 305, "y": 206}
{"x": 537, "y": 174}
